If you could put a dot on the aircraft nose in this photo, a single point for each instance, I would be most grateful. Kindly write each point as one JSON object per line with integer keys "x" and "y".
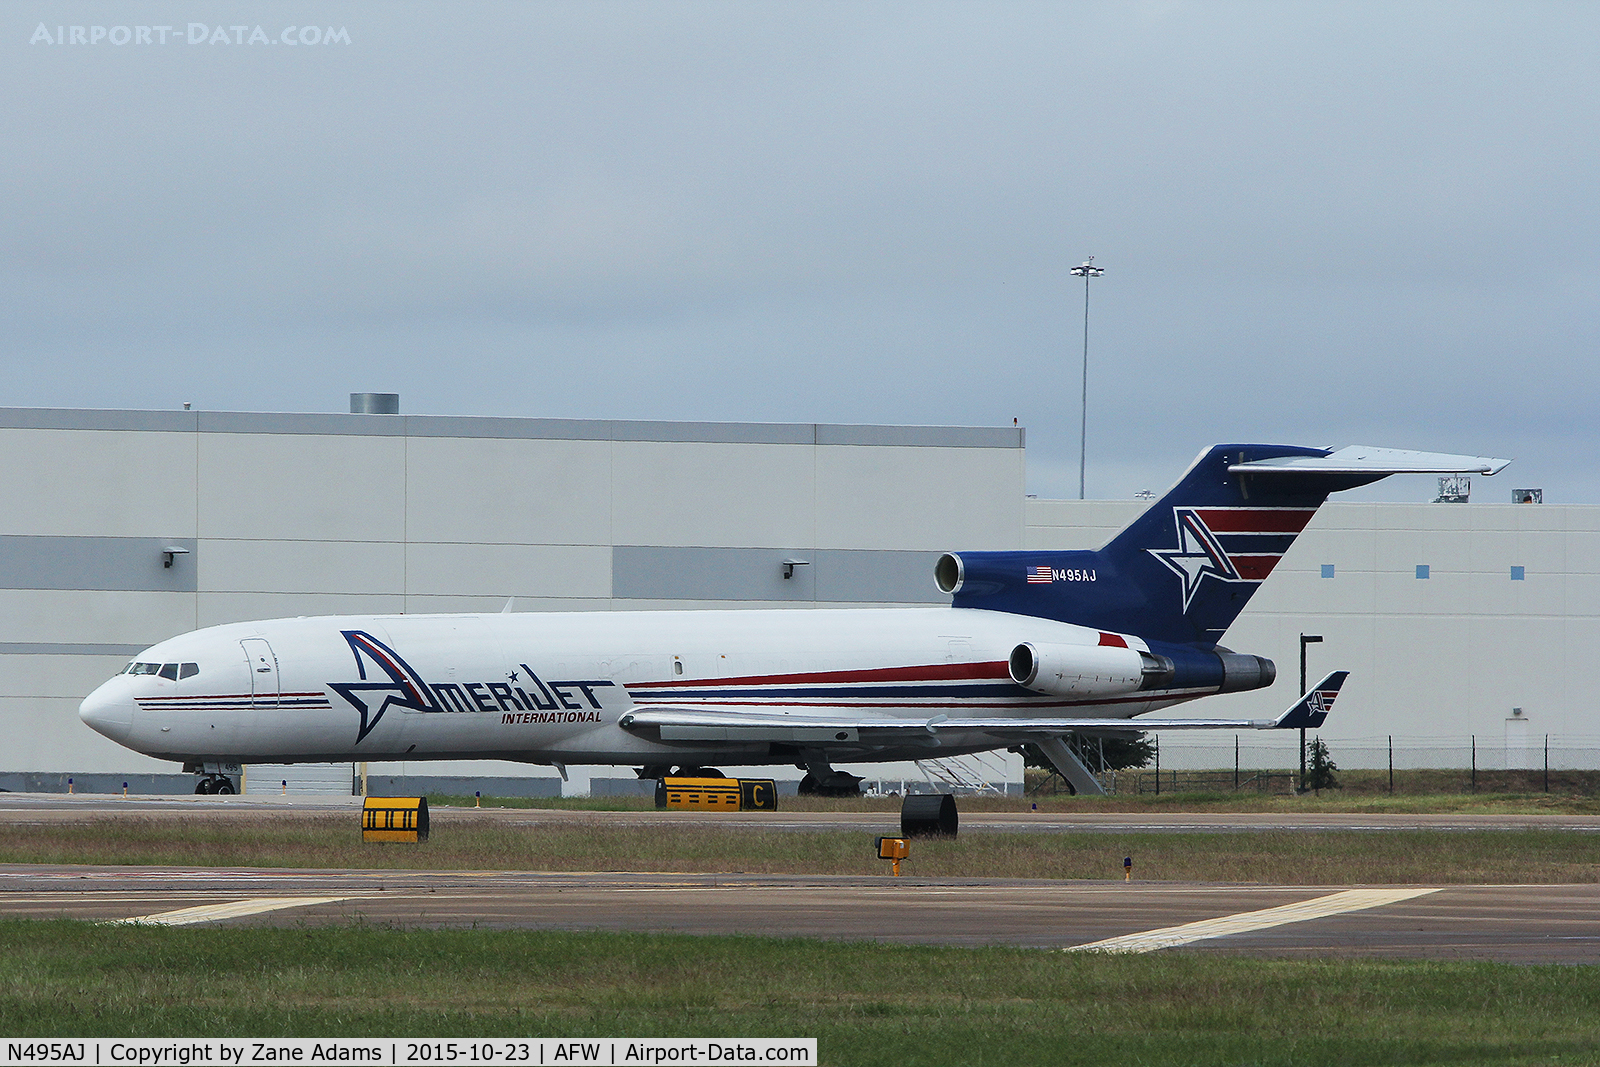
{"x": 109, "y": 710}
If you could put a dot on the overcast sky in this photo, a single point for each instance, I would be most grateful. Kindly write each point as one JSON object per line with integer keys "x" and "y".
{"x": 1320, "y": 224}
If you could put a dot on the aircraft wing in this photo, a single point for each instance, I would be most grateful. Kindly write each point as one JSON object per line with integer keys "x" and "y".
{"x": 805, "y": 725}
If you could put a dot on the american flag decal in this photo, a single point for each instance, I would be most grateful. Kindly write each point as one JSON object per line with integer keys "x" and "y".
{"x": 1040, "y": 574}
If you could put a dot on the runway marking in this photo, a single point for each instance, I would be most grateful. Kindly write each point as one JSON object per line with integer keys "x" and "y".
{"x": 1317, "y": 908}
{"x": 206, "y": 913}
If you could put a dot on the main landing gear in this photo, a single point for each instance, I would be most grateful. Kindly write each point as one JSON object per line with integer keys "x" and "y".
{"x": 219, "y": 784}
{"x": 821, "y": 780}
{"x": 659, "y": 771}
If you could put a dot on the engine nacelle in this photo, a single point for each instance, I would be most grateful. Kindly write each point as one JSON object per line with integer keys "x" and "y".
{"x": 1087, "y": 671}
{"x": 1241, "y": 672}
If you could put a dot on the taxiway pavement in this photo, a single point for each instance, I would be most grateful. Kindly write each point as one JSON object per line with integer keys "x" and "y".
{"x": 1520, "y": 923}
{"x": 1524, "y": 924}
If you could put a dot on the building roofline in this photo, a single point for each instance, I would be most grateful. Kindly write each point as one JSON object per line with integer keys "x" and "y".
{"x": 488, "y": 426}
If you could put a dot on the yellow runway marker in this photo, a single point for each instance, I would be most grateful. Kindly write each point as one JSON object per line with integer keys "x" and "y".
{"x": 1317, "y": 908}
{"x": 206, "y": 913}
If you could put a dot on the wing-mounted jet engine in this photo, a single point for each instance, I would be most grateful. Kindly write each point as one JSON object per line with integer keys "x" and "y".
{"x": 1110, "y": 669}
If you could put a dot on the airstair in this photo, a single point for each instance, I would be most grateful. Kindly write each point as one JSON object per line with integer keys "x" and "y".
{"x": 981, "y": 773}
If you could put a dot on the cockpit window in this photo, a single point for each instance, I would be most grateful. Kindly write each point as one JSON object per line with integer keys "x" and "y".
{"x": 171, "y": 671}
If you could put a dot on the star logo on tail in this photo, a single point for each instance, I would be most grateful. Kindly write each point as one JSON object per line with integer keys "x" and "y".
{"x": 1198, "y": 554}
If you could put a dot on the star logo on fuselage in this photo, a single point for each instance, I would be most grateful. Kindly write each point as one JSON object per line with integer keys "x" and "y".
{"x": 404, "y": 689}
{"x": 1198, "y": 555}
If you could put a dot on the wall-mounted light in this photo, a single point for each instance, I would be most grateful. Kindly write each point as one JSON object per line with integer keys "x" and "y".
{"x": 790, "y": 564}
{"x": 170, "y": 553}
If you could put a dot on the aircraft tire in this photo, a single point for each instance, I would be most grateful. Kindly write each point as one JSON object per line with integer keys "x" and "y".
{"x": 225, "y": 787}
{"x": 808, "y": 786}
{"x": 200, "y": 786}
{"x": 206, "y": 786}
{"x": 699, "y": 772}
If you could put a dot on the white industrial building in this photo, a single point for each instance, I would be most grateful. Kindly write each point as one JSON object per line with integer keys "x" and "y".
{"x": 126, "y": 527}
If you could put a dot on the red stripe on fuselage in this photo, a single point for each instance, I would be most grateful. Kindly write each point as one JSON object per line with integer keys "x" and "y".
{"x": 933, "y": 672}
{"x": 1256, "y": 520}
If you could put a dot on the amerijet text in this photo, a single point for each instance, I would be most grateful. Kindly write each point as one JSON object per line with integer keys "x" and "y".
{"x": 547, "y": 702}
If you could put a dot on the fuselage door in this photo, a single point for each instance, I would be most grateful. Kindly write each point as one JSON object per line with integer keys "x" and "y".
{"x": 263, "y": 672}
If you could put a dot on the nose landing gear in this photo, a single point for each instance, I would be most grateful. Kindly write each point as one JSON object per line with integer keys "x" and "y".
{"x": 216, "y": 779}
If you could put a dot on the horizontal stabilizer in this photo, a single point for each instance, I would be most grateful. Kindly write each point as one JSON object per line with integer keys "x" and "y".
{"x": 1311, "y": 710}
{"x": 1364, "y": 459}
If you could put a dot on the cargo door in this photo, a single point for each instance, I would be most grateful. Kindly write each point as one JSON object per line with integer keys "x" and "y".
{"x": 263, "y": 672}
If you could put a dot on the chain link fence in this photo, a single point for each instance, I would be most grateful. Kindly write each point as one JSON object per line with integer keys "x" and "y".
{"x": 1488, "y": 753}
{"x": 1247, "y": 763}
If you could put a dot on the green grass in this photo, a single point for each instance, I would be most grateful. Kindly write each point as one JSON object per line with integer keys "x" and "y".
{"x": 1362, "y": 791}
{"x": 1275, "y": 857}
{"x": 865, "y": 1003}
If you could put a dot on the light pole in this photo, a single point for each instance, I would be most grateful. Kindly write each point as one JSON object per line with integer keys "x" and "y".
{"x": 1305, "y": 639}
{"x": 1087, "y": 271}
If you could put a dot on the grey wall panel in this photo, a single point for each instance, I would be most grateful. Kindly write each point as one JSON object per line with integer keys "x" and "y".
{"x": 733, "y": 433}
{"x": 67, "y": 648}
{"x": 51, "y": 671}
{"x": 722, "y": 495}
{"x": 89, "y": 419}
{"x": 864, "y": 577}
{"x": 525, "y": 429}
{"x": 97, "y": 483}
{"x": 657, "y": 573}
{"x": 45, "y": 733}
{"x": 922, "y": 436}
{"x": 302, "y": 487}
{"x": 476, "y": 491}
{"x": 931, "y": 499}
{"x": 301, "y": 423}
{"x": 115, "y": 563}
{"x": 98, "y": 616}
{"x": 756, "y": 574}
{"x": 508, "y": 570}
{"x": 215, "y": 609}
{"x": 237, "y": 566}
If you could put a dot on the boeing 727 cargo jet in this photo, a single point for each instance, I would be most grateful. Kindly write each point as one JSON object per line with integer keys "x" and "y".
{"x": 1035, "y": 646}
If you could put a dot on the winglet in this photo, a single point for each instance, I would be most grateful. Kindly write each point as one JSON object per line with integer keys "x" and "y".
{"x": 1311, "y": 710}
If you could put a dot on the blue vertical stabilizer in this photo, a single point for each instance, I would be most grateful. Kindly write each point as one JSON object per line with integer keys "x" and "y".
{"x": 1182, "y": 571}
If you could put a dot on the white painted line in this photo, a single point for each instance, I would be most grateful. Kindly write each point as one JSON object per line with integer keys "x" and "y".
{"x": 206, "y": 913}
{"x": 1316, "y": 908}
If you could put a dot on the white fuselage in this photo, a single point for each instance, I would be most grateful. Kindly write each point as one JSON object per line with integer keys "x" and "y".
{"x": 551, "y": 687}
